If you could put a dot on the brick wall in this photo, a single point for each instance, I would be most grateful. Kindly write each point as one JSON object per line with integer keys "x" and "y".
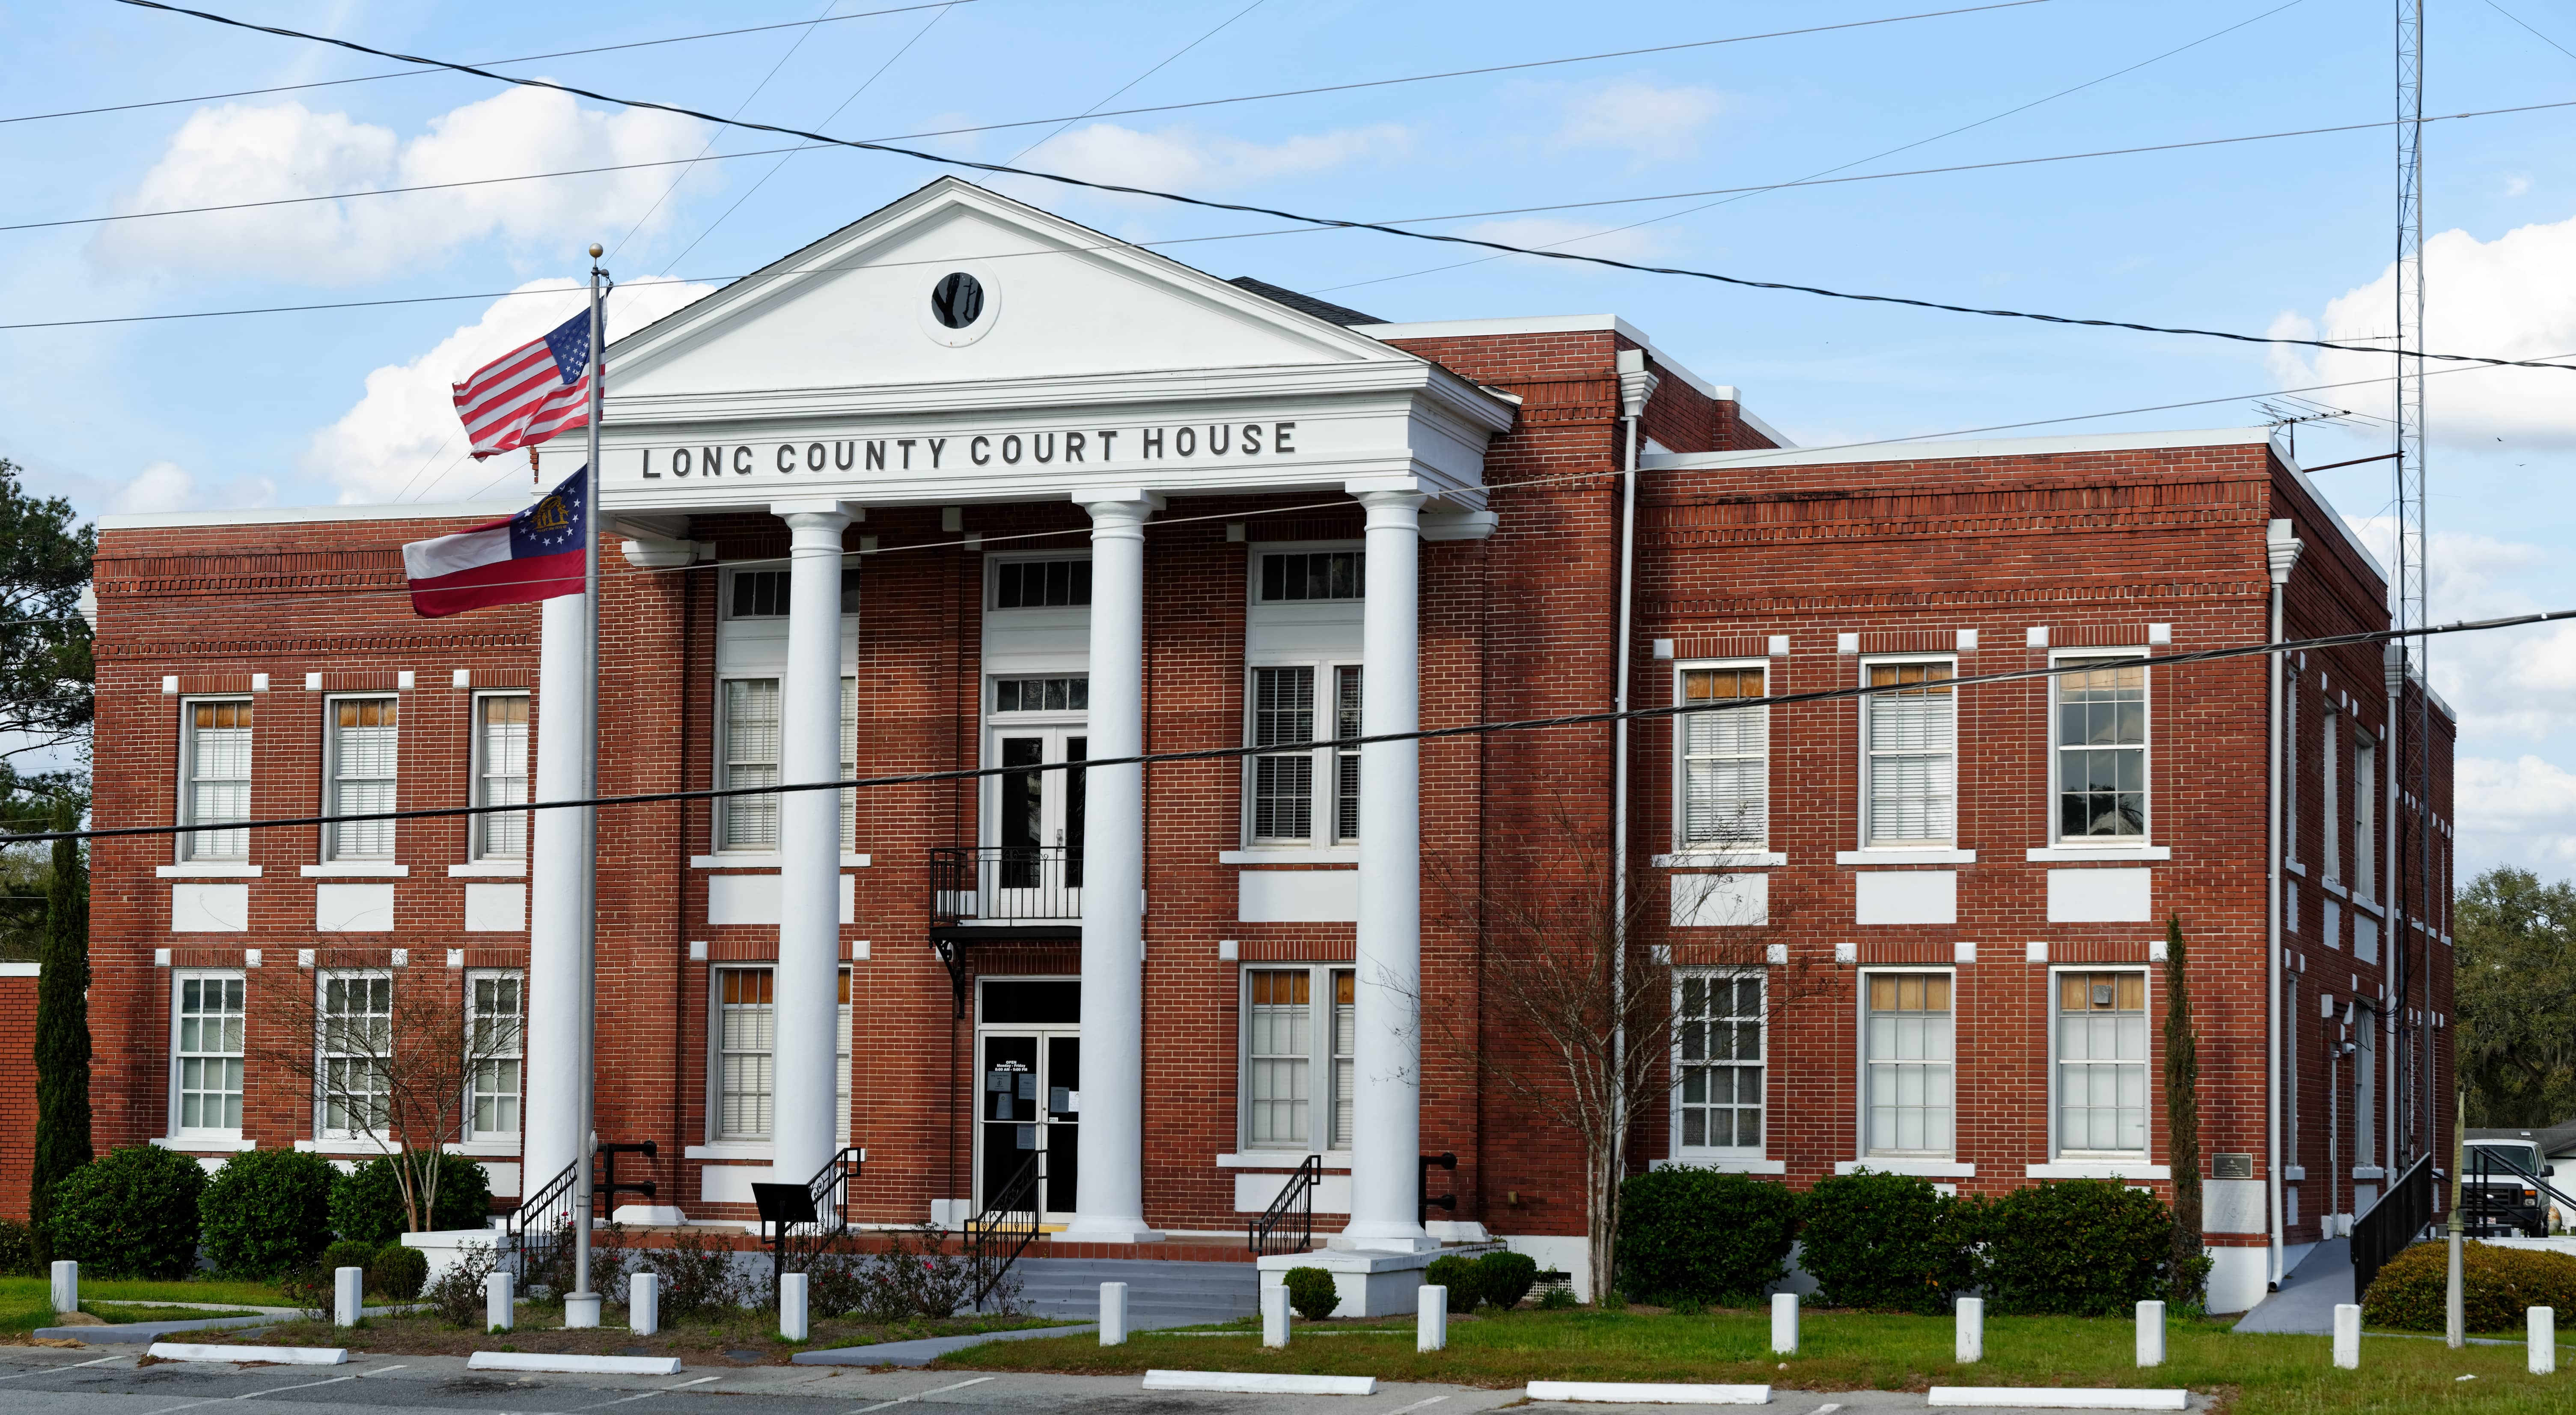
{"x": 17, "y": 1090}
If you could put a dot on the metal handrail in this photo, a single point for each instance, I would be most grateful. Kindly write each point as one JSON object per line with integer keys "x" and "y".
{"x": 797, "y": 1245}
{"x": 541, "y": 1222}
{"x": 2488, "y": 1155}
{"x": 2391, "y": 1224}
{"x": 1005, "y": 884}
{"x": 1296, "y": 1201}
{"x": 996, "y": 1237}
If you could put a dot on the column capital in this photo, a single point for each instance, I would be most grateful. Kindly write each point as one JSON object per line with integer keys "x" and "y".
{"x": 1392, "y": 510}
{"x": 1118, "y": 511}
{"x": 818, "y": 513}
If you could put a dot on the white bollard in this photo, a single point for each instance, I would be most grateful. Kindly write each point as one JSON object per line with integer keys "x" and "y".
{"x": 644, "y": 1303}
{"x": 1113, "y": 1314}
{"x": 1784, "y": 1324}
{"x": 2151, "y": 1333}
{"x": 791, "y": 1306}
{"x": 2544, "y": 1339}
{"x": 348, "y": 1296}
{"x": 500, "y": 1302}
{"x": 1972, "y": 1330}
{"x": 2347, "y": 1336}
{"x": 1274, "y": 1315}
{"x": 1431, "y": 1318}
{"x": 66, "y": 1285}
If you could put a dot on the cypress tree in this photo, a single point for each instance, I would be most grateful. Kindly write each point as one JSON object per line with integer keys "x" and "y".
{"x": 2182, "y": 1122}
{"x": 62, "y": 1029}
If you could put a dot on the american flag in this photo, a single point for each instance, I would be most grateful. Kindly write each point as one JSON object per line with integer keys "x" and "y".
{"x": 530, "y": 393}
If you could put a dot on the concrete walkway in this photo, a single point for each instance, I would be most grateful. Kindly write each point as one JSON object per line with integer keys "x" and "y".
{"x": 2305, "y": 1304}
{"x": 922, "y": 1352}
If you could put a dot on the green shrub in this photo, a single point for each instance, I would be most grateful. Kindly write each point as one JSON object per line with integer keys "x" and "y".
{"x": 312, "y": 1291}
{"x": 367, "y": 1204}
{"x": 398, "y": 1272}
{"x": 1695, "y": 1235}
{"x": 1557, "y": 1299}
{"x": 346, "y": 1253}
{"x": 1886, "y": 1241}
{"x": 1312, "y": 1293}
{"x": 698, "y": 1279}
{"x": 130, "y": 1213}
{"x": 1459, "y": 1276}
{"x": 457, "y": 1297}
{"x": 17, "y": 1249}
{"x": 2079, "y": 1248}
{"x": 267, "y": 1211}
{"x": 1503, "y": 1279}
{"x": 2496, "y": 1284}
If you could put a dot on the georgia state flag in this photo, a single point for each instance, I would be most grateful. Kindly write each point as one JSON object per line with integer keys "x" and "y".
{"x": 531, "y": 556}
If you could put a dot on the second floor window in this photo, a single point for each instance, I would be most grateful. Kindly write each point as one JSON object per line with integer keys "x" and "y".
{"x": 1305, "y": 792}
{"x": 1726, "y": 772}
{"x": 751, "y": 758}
{"x": 216, "y": 785}
{"x": 363, "y": 749}
{"x": 1911, "y": 743}
{"x": 2102, "y": 750}
{"x": 2329, "y": 798}
{"x": 2365, "y": 795}
{"x": 501, "y": 775}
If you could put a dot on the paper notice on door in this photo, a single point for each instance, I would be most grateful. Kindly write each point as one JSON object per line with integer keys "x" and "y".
{"x": 1073, "y": 1102}
{"x": 1058, "y": 1099}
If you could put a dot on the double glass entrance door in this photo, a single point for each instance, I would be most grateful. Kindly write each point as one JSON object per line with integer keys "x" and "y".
{"x": 1030, "y": 1104}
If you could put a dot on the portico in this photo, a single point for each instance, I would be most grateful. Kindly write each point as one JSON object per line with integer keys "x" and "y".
{"x": 957, "y": 349}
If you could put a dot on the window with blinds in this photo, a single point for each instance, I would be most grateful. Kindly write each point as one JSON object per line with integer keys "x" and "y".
{"x": 364, "y": 747}
{"x": 1283, "y": 783}
{"x": 216, "y": 785}
{"x": 1346, "y": 1033}
{"x": 1726, "y": 760}
{"x": 751, "y": 758}
{"x": 1911, "y": 735}
{"x": 746, "y": 1043}
{"x": 1910, "y": 1098}
{"x": 1280, "y": 1057}
{"x": 2102, "y": 1062}
{"x": 500, "y": 775}
{"x": 1346, "y": 760}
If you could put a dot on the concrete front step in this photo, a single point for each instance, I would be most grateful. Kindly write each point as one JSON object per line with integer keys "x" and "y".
{"x": 1159, "y": 1293}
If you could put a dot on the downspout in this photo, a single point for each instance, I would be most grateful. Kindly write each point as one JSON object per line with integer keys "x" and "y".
{"x": 1635, "y": 387}
{"x": 2281, "y": 549}
{"x": 2392, "y": 958}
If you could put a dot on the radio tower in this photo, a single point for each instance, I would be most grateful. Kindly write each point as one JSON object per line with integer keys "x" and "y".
{"x": 2407, "y": 656}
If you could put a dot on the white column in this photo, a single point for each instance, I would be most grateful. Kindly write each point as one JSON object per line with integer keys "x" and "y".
{"x": 1109, "y": 1202}
{"x": 1386, "y": 1102}
{"x": 552, "y": 1134}
{"x": 809, "y": 845}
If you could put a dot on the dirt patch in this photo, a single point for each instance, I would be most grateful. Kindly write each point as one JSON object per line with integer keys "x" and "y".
{"x": 78, "y": 1319}
{"x": 748, "y": 1340}
{"x": 31, "y": 1339}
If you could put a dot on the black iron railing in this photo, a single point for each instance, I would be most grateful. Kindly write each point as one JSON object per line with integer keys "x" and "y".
{"x": 1423, "y": 1202}
{"x": 808, "y": 1223}
{"x": 996, "y": 1237}
{"x": 1288, "y": 1225}
{"x": 543, "y": 1222}
{"x": 1005, "y": 884}
{"x": 2392, "y": 1224}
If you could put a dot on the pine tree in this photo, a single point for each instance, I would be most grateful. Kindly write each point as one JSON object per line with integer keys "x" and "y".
{"x": 62, "y": 1028}
{"x": 2186, "y": 1269}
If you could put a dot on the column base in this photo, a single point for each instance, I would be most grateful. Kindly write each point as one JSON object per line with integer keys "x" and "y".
{"x": 1108, "y": 1230}
{"x": 1407, "y": 1239}
{"x": 581, "y": 1310}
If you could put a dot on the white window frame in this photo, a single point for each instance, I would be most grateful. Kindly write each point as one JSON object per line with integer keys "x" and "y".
{"x": 332, "y": 850}
{"x": 1865, "y": 1149}
{"x": 784, "y": 570}
{"x": 2361, "y": 1073}
{"x": 191, "y": 846}
{"x": 2330, "y": 796}
{"x": 1331, "y": 1071}
{"x": 2290, "y": 772}
{"x": 239, "y": 1056}
{"x": 477, "y": 833}
{"x": 1867, "y": 707}
{"x": 1327, "y": 791}
{"x": 1681, "y": 1152}
{"x": 1682, "y": 843}
{"x": 721, "y": 766}
{"x": 2057, "y": 1063}
{"x": 323, "y": 1101}
{"x": 2059, "y": 662}
{"x": 716, "y": 1134}
{"x": 1263, "y": 551}
{"x": 2366, "y": 786}
{"x": 512, "y": 1056}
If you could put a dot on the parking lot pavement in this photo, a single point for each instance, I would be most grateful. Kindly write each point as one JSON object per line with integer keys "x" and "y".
{"x": 43, "y": 1381}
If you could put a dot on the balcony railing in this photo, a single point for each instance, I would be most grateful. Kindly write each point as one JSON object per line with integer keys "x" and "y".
{"x": 1005, "y": 884}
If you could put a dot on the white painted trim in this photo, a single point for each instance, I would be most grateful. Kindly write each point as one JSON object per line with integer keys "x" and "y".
{"x": 1745, "y": 416}
{"x": 1719, "y": 860}
{"x": 2058, "y": 1398}
{"x": 1894, "y": 855}
{"x": 1954, "y": 451}
{"x": 2085, "y": 854}
{"x": 1648, "y": 1393}
{"x": 483, "y": 1149}
{"x": 356, "y": 869}
{"x": 1923, "y": 1169}
{"x": 759, "y": 1152}
{"x": 293, "y": 515}
{"x": 1281, "y": 1159}
{"x": 550, "y": 1361}
{"x": 766, "y": 861}
{"x": 189, "y": 1143}
{"x": 1243, "y": 1383}
{"x": 1723, "y": 1164}
{"x": 2108, "y": 1169}
{"x": 20, "y": 970}
{"x": 1552, "y": 324}
{"x": 1291, "y": 855}
{"x": 209, "y": 870}
{"x": 489, "y": 869}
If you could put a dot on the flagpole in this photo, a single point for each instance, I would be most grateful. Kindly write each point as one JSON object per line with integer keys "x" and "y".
{"x": 581, "y": 1306}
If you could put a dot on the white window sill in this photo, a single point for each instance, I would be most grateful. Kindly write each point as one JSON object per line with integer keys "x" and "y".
{"x": 2369, "y": 1171}
{"x": 2334, "y": 887}
{"x": 2369, "y": 906}
{"x": 229, "y": 1144}
{"x": 1720, "y": 860}
{"x": 207, "y": 870}
{"x": 765, "y": 860}
{"x": 2099, "y": 852}
{"x": 2295, "y": 868}
{"x": 1281, "y": 1159}
{"x": 482, "y": 1148}
{"x": 737, "y": 1150}
{"x": 1894, "y": 856}
{"x": 344, "y": 1145}
{"x": 1723, "y": 1164}
{"x": 2097, "y": 1169}
{"x": 1919, "y": 1168}
{"x": 2294, "y": 1174}
{"x": 357, "y": 869}
{"x": 1291, "y": 855}
{"x": 489, "y": 869}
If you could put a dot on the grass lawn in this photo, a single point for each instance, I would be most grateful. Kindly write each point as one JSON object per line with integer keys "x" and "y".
{"x": 2257, "y": 1375}
{"x": 27, "y": 1303}
{"x": 747, "y": 1338}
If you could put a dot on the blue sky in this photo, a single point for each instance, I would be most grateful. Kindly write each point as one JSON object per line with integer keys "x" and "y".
{"x": 2289, "y": 235}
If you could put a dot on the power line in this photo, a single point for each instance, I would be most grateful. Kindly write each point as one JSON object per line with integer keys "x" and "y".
{"x": 1160, "y": 65}
{"x": 1205, "y": 203}
{"x": 1200, "y": 754}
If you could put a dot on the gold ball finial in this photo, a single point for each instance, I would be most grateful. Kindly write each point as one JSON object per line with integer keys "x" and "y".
{"x": 595, "y": 251}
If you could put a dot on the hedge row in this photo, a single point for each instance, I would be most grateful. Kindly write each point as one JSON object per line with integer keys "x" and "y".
{"x": 146, "y": 1211}
{"x": 1892, "y": 1242}
{"x": 2496, "y": 1284}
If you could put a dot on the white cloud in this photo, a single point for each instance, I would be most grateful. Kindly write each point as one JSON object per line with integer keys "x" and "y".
{"x": 2515, "y": 184}
{"x": 237, "y": 153}
{"x": 402, "y": 442}
{"x": 167, "y": 486}
{"x": 1184, "y": 159}
{"x": 1649, "y": 124}
{"x": 2519, "y": 812}
{"x": 2513, "y": 297}
{"x": 1575, "y": 237}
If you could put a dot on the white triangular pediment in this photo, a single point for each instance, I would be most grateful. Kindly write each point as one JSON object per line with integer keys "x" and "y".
{"x": 1060, "y": 301}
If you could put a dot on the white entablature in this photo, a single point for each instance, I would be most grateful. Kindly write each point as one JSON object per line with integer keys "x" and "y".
{"x": 830, "y": 374}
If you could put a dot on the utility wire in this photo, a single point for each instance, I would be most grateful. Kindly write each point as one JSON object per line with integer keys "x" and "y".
{"x": 1205, "y": 203}
{"x": 1201, "y": 754}
{"x": 1159, "y": 66}
{"x": 2517, "y": 19}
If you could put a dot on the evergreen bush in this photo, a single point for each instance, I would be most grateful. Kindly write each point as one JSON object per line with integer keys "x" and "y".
{"x": 17, "y": 1249}
{"x": 1503, "y": 1279}
{"x": 1459, "y": 1276}
{"x": 367, "y": 1204}
{"x": 62, "y": 1141}
{"x": 129, "y": 1213}
{"x": 2077, "y": 1248}
{"x": 346, "y": 1253}
{"x": 397, "y": 1272}
{"x": 1887, "y": 1241}
{"x": 1312, "y": 1293}
{"x": 2496, "y": 1284}
{"x": 1696, "y": 1235}
{"x": 266, "y": 1212}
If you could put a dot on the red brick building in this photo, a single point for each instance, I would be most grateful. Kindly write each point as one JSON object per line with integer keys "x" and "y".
{"x": 1921, "y": 926}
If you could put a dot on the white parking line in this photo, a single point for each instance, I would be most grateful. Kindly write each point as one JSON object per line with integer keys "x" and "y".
{"x": 22, "y": 1375}
{"x": 916, "y": 1395}
{"x": 249, "y": 1395}
{"x": 647, "y": 1395}
{"x": 380, "y": 1370}
{"x": 1399, "y": 1410}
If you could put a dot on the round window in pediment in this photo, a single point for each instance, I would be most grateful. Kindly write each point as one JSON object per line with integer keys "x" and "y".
{"x": 957, "y": 300}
